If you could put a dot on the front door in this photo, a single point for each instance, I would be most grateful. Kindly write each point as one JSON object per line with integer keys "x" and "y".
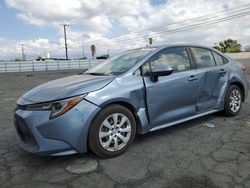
{"x": 171, "y": 97}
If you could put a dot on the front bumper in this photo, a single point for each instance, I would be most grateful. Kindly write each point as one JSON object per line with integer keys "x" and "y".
{"x": 66, "y": 134}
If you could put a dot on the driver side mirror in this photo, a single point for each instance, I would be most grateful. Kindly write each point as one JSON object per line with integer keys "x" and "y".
{"x": 158, "y": 71}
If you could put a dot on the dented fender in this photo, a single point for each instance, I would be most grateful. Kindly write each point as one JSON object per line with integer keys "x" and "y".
{"x": 132, "y": 93}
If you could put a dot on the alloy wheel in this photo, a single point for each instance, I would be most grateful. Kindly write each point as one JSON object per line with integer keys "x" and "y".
{"x": 115, "y": 132}
{"x": 235, "y": 100}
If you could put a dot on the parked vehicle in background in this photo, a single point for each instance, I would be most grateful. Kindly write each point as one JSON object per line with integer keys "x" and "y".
{"x": 138, "y": 91}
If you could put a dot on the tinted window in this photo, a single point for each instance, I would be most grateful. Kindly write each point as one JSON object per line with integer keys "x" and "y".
{"x": 218, "y": 59}
{"x": 204, "y": 57}
{"x": 176, "y": 58}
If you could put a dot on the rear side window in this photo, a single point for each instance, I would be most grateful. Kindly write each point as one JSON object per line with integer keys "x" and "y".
{"x": 203, "y": 57}
{"x": 225, "y": 60}
{"x": 175, "y": 57}
{"x": 218, "y": 59}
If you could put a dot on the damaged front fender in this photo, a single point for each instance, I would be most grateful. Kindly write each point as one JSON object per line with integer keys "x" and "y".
{"x": 131, "y": 95}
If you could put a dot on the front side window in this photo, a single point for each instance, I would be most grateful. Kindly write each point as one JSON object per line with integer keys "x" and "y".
{"x": 203, "y": 57}
{"x": 175, "y": 58}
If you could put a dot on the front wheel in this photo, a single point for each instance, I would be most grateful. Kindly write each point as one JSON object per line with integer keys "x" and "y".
{"x": 233, "y": 100}
{"x": 112, "y": 131}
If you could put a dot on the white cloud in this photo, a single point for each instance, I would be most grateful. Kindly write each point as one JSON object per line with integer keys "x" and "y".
{"x": 99, "y": 24}
{"x": 92, "y": 21}
{"x": 46, "y": 10}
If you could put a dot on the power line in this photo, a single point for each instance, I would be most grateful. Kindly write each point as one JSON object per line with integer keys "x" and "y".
{"x": 184, "y": 28}
{"x": 208, "y": 20}
{"x": 193, "y": 26}
{"x": 205, "y": 17}
{"x": 120, "y": 39}
{"x": 163, "y": 34}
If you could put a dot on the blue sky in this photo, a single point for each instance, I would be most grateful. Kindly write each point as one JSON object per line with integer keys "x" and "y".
{"x": 106, "y": 23}
{"x": 158, "y": 2}
{"x": 15, "y": 29}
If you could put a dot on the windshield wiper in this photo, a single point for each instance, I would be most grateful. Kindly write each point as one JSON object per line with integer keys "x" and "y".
{"x": 97, "y": 73}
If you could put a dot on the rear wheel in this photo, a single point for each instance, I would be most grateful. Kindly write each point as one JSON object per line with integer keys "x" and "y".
{"x": 233, "y": 100}
{"x": 112, "y": 131}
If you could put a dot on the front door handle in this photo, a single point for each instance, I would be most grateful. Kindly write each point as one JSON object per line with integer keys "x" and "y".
{"x": 192, "y": 78}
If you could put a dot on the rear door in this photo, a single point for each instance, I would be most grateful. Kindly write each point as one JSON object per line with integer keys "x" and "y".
{"x": 212, "y": 77}
{"x": 175, "y": 96}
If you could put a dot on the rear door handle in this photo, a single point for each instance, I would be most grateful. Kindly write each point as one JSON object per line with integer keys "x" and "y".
{"x": 192, "y": 78}
{"x": 222, "y": 71}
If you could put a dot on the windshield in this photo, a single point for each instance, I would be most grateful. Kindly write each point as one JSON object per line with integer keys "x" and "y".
{"x": 120, "y": 63}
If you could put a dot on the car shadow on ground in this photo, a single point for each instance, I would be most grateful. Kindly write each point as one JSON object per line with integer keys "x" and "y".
{"x": 181, "y": 126}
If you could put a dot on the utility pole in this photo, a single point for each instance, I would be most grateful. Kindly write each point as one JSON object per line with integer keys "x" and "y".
{"x": 65, "y": 40}
{"x": 23, "y": 55}
{"x": 83, "y": 51}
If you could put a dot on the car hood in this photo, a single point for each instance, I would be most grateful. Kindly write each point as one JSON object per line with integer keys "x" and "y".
{"x": 65, "y": 87}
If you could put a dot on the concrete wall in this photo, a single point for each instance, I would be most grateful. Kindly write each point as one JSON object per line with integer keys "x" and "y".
{"x": 241, "y": 55}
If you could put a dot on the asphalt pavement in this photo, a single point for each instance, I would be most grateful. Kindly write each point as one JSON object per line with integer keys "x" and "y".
{"x": 190, "y": 154}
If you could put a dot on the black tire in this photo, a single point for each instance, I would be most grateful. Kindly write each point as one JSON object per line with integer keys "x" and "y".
{"x": 94, "y": 142}
{"x": 227, "y": 108}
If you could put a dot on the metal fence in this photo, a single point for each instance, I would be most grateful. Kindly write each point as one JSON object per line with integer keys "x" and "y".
{"x": 26, "y": 66}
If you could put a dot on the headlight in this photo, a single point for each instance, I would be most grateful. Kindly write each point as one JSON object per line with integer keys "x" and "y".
{"x": 57, "y": 108}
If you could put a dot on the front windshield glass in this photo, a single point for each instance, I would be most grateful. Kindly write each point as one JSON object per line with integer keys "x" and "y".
{"x": 120, "y": 63}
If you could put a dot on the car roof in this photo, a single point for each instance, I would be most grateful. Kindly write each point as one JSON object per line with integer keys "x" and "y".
{"x": 162, "y": 46}
{"x": 176, "y": 44}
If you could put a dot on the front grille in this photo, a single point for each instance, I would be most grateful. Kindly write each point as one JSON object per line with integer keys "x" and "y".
{"x": 24, "y": 133}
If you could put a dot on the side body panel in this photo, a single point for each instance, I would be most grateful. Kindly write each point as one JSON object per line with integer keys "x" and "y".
{"x": 212, "y": 85}
{"x": 237, "y": 76}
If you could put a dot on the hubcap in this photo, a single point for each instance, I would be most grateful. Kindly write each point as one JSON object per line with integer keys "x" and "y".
{"x": 235, "y": 100}
{"x": 115, "y": 132}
